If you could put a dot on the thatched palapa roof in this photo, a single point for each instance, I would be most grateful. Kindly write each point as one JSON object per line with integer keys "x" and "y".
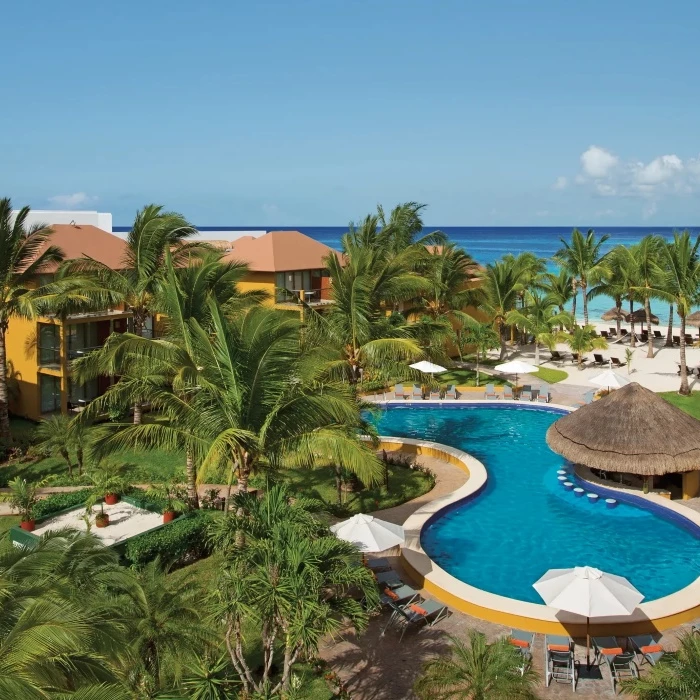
{"x": 632, "y": 430}
{"x": 613, "y": 315}
{"x": 640, "y": 316}
{"x": 693, "y": 319}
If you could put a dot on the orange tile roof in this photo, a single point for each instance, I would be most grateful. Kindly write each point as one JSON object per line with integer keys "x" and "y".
{"x": 79, "y": 241}
{"x": 280, "y": 251}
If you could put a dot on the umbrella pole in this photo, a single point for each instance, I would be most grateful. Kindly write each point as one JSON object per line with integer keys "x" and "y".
{"x": 588, "y": 645}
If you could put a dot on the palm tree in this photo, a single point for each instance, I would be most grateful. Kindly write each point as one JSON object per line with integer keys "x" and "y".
{"x": 583, "y": 259}
{"x": 675, "y": 677}
{"x": 680, "y": 283}
{"x": 646, "y": 256}
{"x": 583, "y": 339}
{"x": 560, "y": 288}
{"x": 292, "y": 582}
{"x": 539, "y": 319}
{"x": 478, "y": 671}
{"x": 501, "y": 287}
{"x": 24, "y": 253}
{"x": 618, "y": 281}
{"x": 483, "y": 338}
{"x": 53, "y": 437}
{"x": 154, "y": 235}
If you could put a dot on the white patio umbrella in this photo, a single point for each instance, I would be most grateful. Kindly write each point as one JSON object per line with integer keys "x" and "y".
{"x": 516, "y": 367}
{"x": 369, "y": 534}
{"x": 609, "y": 379}
{"x": 590, "y": 592}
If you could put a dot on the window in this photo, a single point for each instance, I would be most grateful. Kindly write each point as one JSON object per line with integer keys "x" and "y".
{"x": 81, "y": 394}
{"x": 49, "y": 345}
{"x": 50, "y": 388}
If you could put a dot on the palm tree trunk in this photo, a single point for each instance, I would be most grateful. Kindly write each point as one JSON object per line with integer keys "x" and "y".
{"x": 537, "y": 352}
{"x": 633, "y": 342}
{"x": 650, "y": 339}
{"x": 339, "y": 483}
{"x": 192, "y": 495}
{"x": 618, "y": 306}
{"x": 5, "y": 434}
{"x": 685, "y": 389}
{"x": 669, "y": 330}
{"x": 573, "y": 304}
{"x": 584, "y": 285}
{"x": 139, "y": 321}
{"x": 477, "y": 365}
{"x": 66, "y": 457}
{"x": 501, "y": 335}
{"x": 80, "y": 459}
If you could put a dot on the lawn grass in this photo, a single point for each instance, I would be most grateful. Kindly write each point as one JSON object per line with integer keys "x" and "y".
{"x": 689, "y": 404}
{"x": 549, "y": 375}
{"x": 404, "y": 485}
{"x": 467, "y": 377}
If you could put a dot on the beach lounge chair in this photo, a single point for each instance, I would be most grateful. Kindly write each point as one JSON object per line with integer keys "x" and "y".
{"x": 617, "y": 363}
{"x": 508, "y": 392}
{"x": 559, "y": 661}
{"x": 426, "y": 612}
{"x": 646, "y": 648}
{"x": 604, "y": 334}
{"x": 416, "y": 392}
{"x": 399, "y": 392}
{"x": 523, "y": 641}
{"x": 676, "y": 340}
{"x": 390, "y": 579}
{"x": 399, "y": 596}
{"x": 556, "y": 356}
{"x": 543, "y": 395}
{"x": 435, "y": 393}
{"x": 623, "y": 332}
{"x": 574, "y": 359}
{"x": 587, "y": 398}
{"x": 598, "y": 359}
{"x": 526, "y": 393}
{"x": 657, "y": 335}
{"x": 378, "y": 564}
{"x": 645, "y": 337}
{"x": 605, "y": 647}
{"x": 613, "y": 332}
{"x": 490, "y": 392}
{"x": 451, "y": 392}
{"x": 689, "y": 339}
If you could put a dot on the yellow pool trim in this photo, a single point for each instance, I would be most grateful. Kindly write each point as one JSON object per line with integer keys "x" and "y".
{"x": 663, "y": 613}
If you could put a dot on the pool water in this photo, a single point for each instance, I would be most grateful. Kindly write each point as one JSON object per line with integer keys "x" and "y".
{"x": 523, "y": 522}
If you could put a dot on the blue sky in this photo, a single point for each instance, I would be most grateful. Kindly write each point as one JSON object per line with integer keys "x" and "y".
{"x": 311, "y": 112}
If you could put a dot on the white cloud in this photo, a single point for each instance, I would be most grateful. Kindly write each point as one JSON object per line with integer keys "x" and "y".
{"x": 605, "y": 190}
{"x": 72, "y": 201}
{"x": 649, "y": 210}
{"x": 597, "y": 162}
{"x": 659, "y": 170}
{"x": 542, "y": 213}
{"x": 560, "y": 183}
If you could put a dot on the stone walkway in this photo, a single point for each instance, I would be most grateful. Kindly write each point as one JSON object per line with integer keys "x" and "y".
{"x": 377, "y": 667}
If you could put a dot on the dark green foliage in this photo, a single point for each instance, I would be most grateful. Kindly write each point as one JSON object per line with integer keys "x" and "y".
{"x": 60, "y": 501}
{"x": 182, "y": 540}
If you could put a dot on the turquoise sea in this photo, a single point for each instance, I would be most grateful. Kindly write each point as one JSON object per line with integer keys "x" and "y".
{"x": 486, "y": 244}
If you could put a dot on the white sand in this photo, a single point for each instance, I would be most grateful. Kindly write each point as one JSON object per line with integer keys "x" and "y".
{"x": 659, "y": 373}
{"x": 125, "y": 521}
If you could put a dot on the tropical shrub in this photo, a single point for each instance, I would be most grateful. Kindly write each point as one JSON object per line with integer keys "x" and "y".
{"x": 60, "y": 501}
{"x": 183, "y": 540}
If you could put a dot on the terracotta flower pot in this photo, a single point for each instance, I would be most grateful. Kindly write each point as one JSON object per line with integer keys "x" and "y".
{"x": 168, "y": 516}
{"x": 28, "y": 525}
{"x": 102, "y": 520}
{"x": 111, "y": 498}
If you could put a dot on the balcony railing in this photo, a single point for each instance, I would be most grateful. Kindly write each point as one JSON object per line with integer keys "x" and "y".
{"x": 74, "y": 353}
{"x": 49, "y": 357}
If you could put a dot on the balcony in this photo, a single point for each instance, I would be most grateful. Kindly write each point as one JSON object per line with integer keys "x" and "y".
{"x": 74, "y": 353}
{"x": 50, "y": 357}
{"x": 312, "y": 297}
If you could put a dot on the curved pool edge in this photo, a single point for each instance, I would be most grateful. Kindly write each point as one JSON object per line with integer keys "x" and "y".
{"x": 657, "y": 615}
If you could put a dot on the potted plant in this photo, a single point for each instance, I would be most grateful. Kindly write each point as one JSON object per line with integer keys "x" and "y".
{"x": 106, "y": 484}
{"x": 23, "y": 497}
{"x": 172, "y": 493}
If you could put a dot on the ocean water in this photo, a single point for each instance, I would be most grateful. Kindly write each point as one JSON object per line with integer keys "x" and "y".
{"x": 486, "y": 244}
{"x": 523, "y": 522}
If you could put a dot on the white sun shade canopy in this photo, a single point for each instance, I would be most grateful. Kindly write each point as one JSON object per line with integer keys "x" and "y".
{"x": 589, "y": 592}
{"x": 609, "y": 379}
{"x": 516, "y": 367}
{"x": 427, "y": 367}
{"x": 369, "y": 534}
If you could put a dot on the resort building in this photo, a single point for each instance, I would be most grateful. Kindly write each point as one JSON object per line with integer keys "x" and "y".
{"x": 40, "y": 350}
{"x": 288, "y": 265}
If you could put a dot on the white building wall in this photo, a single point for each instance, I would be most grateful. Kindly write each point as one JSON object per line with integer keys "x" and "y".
{"x": 101, "y": 220}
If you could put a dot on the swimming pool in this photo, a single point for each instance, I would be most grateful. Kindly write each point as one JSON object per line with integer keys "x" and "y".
{"x": 523, "y": 522}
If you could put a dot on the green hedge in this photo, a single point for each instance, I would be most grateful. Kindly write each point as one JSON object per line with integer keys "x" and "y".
{"x": 180, "y": 541}
{"x": 60, "y": 501}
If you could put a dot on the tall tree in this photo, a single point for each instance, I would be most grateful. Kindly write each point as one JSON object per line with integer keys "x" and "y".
{"x": 584, "y": 339}
{"x": 540, "y": 318}
{"x": 154, "y": 234}
{"x": 647, "y": 259}
{"x": 477, "y": 671}
{"x": 583, "y": 259}
{"x": 24, "y": 253}
{"x": 618, "y": 281}
{"x": 483, "y": 338}
{"x": 560, "y": 288}
{"x": 680, "y": 284}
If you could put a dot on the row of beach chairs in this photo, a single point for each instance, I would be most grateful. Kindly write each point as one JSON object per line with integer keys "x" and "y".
{"x": 540, "y": 394}
{"x": 598, "y": 359}
{"x": 408, "y": 607}
{"x": 560, "y": 663}
{"x": 417, "y": 392}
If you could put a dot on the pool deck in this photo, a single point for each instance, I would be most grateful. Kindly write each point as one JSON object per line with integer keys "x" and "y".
{"x": 376, "y": 667}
